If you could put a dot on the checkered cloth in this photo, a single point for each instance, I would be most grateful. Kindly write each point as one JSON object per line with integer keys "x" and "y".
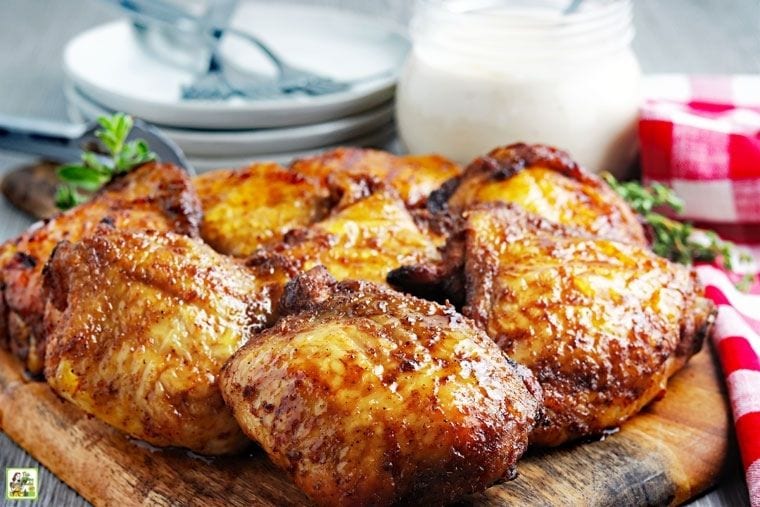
{"x": 701, "y": 136}
{"x": 737, "y": 340}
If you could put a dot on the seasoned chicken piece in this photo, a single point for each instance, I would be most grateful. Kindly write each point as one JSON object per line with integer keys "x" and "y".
{"x": 366, "y": 396}
{"x": 363, "y": 241}
{"x": 7, "y": 250}
{"x": 255, "y": 206}
{"x": 154, "y": 196}
{"x": 144, "y": 322}
{"x": 602, "y": 324}
{"x": 547, "y": 182}
{"x": 413, "y": 176}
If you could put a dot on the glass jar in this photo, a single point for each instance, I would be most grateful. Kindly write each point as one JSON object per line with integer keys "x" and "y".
{"x": 487, "y": 73}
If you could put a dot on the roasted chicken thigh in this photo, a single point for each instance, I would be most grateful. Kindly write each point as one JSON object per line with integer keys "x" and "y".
{"x": 366, "y": 396}
{"x": 602, "y": 324}
{"x": 254, "y": 207}
{"x": 364, "y": 241}
{"x": 154, "y": 196}
{"x": 143, "y": 323}
{"x": 547, "y": 182}
{"x": 248, "y": 208}
{"x": 413, "y": 176}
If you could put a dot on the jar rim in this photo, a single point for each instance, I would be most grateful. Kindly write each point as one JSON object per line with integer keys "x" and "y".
{"x": 520, "y": 30}
{"x": 483, "y": 9}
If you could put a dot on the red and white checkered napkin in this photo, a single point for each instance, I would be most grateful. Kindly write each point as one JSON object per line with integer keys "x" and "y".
{"x": 737, "y": 340}
{"x": 701, "y": 136}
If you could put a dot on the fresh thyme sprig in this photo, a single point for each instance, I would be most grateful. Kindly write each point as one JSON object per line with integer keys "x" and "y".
{"x": 678, "y": 241}
{"x": 94, "y": 171}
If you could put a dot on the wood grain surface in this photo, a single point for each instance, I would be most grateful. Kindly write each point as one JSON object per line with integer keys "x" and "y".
{"x": 672, "y": 451}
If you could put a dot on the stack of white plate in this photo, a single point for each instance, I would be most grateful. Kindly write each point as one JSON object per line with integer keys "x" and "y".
{"x": 109, "y": 70}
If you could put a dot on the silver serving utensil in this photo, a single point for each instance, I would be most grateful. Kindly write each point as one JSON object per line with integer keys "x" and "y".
{"x": 218, "y": 84}
{"x": 213, "y": 84}
{"x": 289, "y": 77}
{"x": 64, "y": 142}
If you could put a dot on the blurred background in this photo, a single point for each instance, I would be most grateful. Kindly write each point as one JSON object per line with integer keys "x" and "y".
{"x": 683, "y": 36}
{"x": 676, "y": 36}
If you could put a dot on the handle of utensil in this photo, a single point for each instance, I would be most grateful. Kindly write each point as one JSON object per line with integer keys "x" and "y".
{"x": 54, "y": 140}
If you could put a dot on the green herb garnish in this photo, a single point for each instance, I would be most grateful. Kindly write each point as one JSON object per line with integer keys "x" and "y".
{"x": 678, "y": 241}
{"x": 94, "y": 171}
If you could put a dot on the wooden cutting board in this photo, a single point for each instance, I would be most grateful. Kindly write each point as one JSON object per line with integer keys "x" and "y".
{"x": 672, "y": 451}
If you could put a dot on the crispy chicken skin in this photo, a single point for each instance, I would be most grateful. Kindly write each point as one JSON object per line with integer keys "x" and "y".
{"x": 145, "y": 321}
{"x": 366, "y": 396}
{"x": 254, "y": 207}
{"x": 364, "y": 240}
{"x": 154, "y": 196}
{"x": 602, "y": 324}
{"x": 547, "y": 182}
{"x": 413, "y": 176}
{"x": 7, "y": 251}
{"x": 248, "y": 208}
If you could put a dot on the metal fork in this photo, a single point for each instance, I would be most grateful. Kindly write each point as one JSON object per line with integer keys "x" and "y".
{"x": 215, "y": 83}
{"x": 212, "y": 85}
{"x": 291, "y": 78}
{"x": 64, "y": 142}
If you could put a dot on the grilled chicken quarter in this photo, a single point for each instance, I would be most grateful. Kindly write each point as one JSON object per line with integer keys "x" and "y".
{"x": 602, "y": 324}
{"x": 366, "y": 396}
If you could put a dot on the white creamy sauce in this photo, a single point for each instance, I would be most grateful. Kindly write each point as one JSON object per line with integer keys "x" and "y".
{"x": 469, "y": 88}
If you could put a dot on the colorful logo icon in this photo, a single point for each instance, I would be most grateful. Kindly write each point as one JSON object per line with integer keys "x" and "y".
{"x": 21, "y": 484}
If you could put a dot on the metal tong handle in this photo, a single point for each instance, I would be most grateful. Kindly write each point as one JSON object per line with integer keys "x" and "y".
{"x": 54, "y": 140}
{"x": 64, "y": 142}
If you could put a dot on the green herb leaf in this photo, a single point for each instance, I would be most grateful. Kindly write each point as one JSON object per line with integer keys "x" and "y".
{"x": 95, "y": 171}
{"x": 92, "y": 161}
{"x": 67, "y": 197}
{"x": 678, "y": 241}
{"x": 83, "y": 177}
{"x": 115, "y": 130}
{"x": 134, "y": 154}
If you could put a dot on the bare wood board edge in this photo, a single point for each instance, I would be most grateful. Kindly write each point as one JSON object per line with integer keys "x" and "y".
{"x": 674, "y": 450}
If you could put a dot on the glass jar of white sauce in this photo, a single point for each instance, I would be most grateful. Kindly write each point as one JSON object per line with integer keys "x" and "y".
{"x": 487, "y": 73}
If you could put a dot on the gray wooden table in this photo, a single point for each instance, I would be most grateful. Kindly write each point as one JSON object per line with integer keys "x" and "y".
{"x": 690, "y": 36}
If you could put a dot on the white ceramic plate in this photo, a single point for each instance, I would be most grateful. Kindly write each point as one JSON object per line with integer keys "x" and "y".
{"x": 110, "y": 66}
{"x": 382, "y": 139}
{"x": 243, "y": 143}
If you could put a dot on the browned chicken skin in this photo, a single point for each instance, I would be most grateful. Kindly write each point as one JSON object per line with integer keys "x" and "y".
{"x": 602, "y": 324}
{"x": 144, "y": 322}
{"x": 249, "y": 208}
{"x": 154, "y": 196}
{"x": 364, "y": 240}
{"x": 413, "y": 176}
{"x": 254, "y": 207}
{"x": 547, "y": 182}
{"x": 365, "y": 396}
{"x": 369, "y": 397}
